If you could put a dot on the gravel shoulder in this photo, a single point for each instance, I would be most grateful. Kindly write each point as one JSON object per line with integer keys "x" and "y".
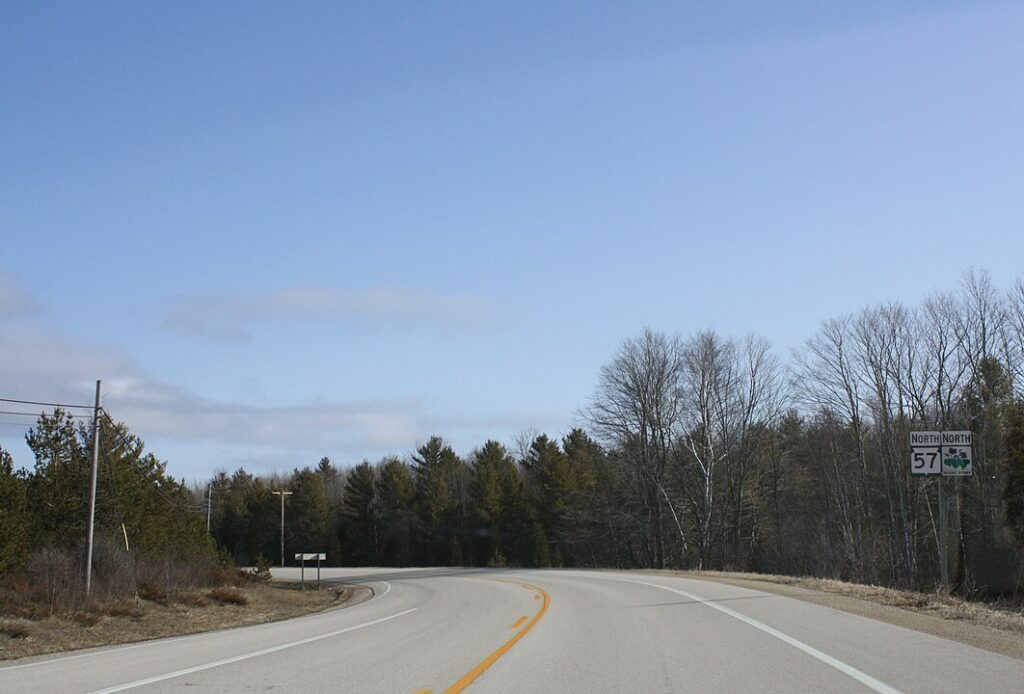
{"x": 991, "y": 627}
{"x": 189, "y": 613}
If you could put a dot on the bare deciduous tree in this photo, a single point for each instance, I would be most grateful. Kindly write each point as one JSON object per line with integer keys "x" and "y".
{"x": 636, "y": 411}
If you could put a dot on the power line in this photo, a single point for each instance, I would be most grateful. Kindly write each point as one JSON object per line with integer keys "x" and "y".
{"x": 39, "y": 414}
{"x": 173, "y": 502}
{"x": 46, "y": 404}
{"x": 124, "y": 441}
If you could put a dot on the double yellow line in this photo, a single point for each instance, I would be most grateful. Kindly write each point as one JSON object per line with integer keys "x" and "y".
{"x": 481, "y": 668}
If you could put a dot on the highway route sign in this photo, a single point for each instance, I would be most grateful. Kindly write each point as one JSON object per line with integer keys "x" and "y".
{"x": 947, "y": 453}
{"x": 957, "y": 453}
{"x": 926, "y": 452}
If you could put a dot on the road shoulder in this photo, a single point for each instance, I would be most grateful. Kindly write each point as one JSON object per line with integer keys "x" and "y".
{"x": 924, "y": 613}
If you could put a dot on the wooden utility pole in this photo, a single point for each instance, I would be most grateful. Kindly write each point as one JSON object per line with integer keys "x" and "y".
{"x": 92, "y": 491}
{"x": 282, "y": 494}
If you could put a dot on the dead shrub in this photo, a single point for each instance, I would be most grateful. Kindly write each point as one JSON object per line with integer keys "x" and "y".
{"x": 86, "y": 619}
{"x": 52, "y": 581}
{"x": 191, "y": 599}
{"x": 56, "y": 579}
{"x": 167, "y": 574}
{"x": 229, "y": 596}
{"x": 21, "y": 597}
{"x": 229, "y": 576}
{"x": 15, "y": 630}
{"x": 153, "y": 592}
{"x": 113, "y": 569}
{"x": 123, "y": 609}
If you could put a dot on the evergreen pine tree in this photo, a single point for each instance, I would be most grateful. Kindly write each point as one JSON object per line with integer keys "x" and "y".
{"x": 359, "y": 514}
{"x": 14, "y": 516}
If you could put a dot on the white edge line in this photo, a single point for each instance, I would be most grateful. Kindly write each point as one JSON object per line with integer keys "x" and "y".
{"x": 245, "y": 656}
{"x": 104, "y": 650}
{"x": 862, "y": 677}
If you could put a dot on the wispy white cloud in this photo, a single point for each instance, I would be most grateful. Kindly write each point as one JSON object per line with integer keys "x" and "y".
{"x": 184, "y": 416}
{"x": 36, "y": 363}
{"x": 39, "y": 363}
{"x": 230, "y": 317}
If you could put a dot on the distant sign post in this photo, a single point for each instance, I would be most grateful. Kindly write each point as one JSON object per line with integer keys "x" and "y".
{"x": 302, "y": 557}
{"x": 945, "y": 454}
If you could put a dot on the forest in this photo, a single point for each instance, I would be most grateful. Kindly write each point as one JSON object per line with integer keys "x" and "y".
{"x": 701, "y": 451}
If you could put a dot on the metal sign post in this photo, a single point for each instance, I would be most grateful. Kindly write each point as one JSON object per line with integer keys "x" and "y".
{"x": 302, "y": 557}
{"x": 945, "y": 454}
{"x": 943, "y": 540}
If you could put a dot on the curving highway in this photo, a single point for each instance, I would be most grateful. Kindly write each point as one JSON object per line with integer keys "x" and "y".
{"x": 532, "y": 631}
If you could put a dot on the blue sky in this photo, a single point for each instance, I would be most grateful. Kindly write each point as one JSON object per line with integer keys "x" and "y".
{"x": 281, "y": 231}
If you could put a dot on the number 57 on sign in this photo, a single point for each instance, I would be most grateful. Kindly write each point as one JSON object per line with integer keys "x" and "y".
{"x": 926, "y": 452}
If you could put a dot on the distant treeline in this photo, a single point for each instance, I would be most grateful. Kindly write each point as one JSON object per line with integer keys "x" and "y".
{"x": 697, "y": 452}
{"x": 545, "y": 507}
{"x": 709, "y": 452}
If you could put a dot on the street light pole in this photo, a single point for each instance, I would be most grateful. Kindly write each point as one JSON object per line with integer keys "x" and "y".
{"x": 282, "y": 494}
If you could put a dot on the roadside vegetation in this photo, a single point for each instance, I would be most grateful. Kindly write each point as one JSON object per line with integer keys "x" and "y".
{"x": 187, "y": 612}
{"x": 709, "y": 452}
{"x": 150, "y": 542}
{"x": 701, "y": 452}
{"x": 156, "y": 571}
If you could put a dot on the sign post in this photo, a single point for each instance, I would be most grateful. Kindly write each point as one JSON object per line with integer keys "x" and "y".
{"x": 302, "y": 559}
{"x": 945, "y": 454}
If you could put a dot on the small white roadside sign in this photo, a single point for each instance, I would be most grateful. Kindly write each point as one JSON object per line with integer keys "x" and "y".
{"x": 310, "y": 556}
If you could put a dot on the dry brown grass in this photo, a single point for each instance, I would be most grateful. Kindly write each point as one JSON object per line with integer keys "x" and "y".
{"x": 51, "y": 581}
{"x": 15, "y": 630}
{"x": 229, "y": 596}
{"x": 997, "y": 615}
{"x": 229, "y": 576}
{"x": 124, "y": 623}
{"x": 86, "y": 619}
{"x": 123, "y": 609}
{"x": 153, "y": 592}
{"x": 191, "y": 599}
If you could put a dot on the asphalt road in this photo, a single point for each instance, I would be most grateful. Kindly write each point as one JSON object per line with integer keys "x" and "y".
{"x": 443, "y": 630}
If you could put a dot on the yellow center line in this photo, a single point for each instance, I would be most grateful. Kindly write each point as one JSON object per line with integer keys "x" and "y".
{"x": 519, "y": 621}
{"x": 490, "y": 660}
